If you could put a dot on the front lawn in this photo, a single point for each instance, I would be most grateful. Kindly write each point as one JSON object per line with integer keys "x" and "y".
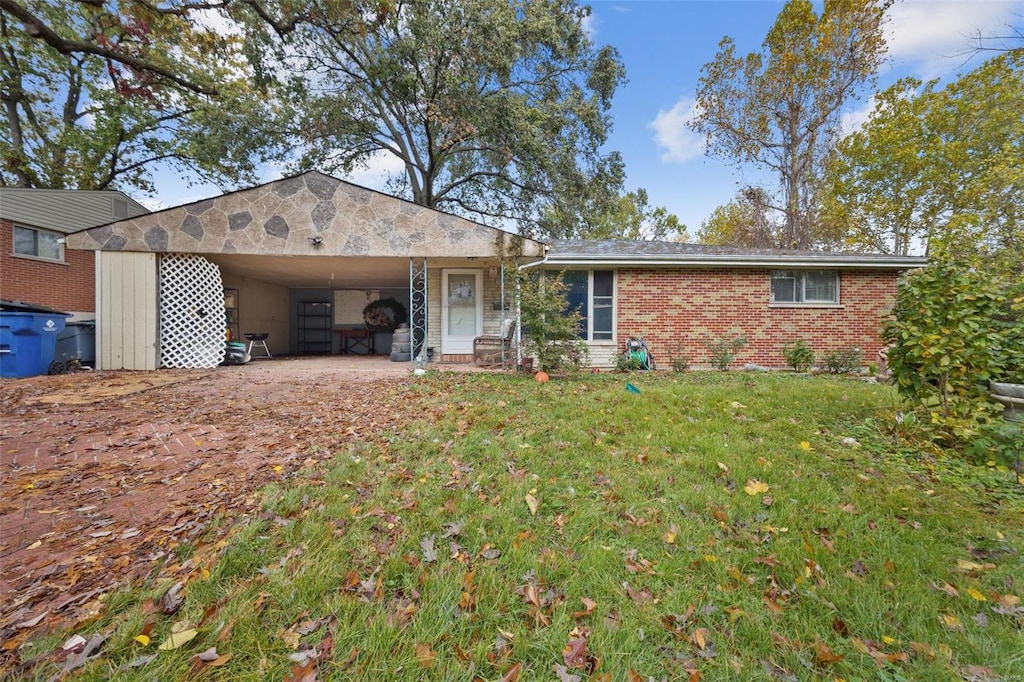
{"x": 712, "y": 526}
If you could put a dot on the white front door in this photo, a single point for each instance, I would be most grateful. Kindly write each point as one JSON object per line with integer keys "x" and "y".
{"x": 461, "y": 310}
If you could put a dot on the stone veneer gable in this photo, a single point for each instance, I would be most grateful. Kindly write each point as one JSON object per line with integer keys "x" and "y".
{"x": 283, "y": 216}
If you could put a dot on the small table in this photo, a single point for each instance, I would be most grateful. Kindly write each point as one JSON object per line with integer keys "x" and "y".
{"x": 352, "y": 339}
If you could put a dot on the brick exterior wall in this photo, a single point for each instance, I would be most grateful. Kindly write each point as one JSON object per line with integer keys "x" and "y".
{"x": 677, "y": 310}
{"x": 69, "y": 286}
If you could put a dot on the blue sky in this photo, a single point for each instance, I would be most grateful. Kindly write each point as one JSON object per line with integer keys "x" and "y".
{"x": 664, "y": 44}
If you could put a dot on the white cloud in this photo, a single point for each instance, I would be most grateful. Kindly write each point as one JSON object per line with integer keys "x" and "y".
{"x": 935, "y": 34}
{"x": 589, "y": 24}
{"x": 680, "y": 144}
{"x": 853, "y": 120}
{"x": 375, "y": 172}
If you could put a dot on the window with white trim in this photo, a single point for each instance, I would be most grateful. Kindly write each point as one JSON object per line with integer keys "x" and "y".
{"x": 592, "y": 292}
{"x": 28, "y": 241}
{"x": 808, "y": 287}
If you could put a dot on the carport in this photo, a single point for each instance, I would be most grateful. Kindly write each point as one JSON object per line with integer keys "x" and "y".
{"x": 297, "y": 259}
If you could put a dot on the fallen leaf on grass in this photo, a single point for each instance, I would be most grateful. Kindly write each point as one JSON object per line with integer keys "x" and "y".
{"x": 425, "y": 655}
{"x": 512, "y": 674}
{"x": 881, "y": 658}
{"x": 823, "y": 655}
{"x": 755, "y": 487}
{"x": 976, "y": 595}
{"x": 532, "y": 503}
{"x": 178, "y": 639}
{"x": 209, "y": 659}
{"x": 302, "y": 672}
{"x": 589, "y": 606}
{"x": 141, "y": 639}
{"x": 80, "y": 655}
{"x": 922, "y": 650}
{"x": 427, "y": 549}
{"x": 951, "y": 622}
{"x": 564, "y": 675}
{"x": 641, "y": 596}
{"x": 574, "y": 653}
{"x": 172, "y": 599}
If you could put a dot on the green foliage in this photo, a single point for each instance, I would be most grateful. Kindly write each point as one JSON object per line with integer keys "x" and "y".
{"x": 938, "y": 165}
{"x": 841, "y": 360}
{"x": 999, "y": 444}
{"x": 625, "y": 363}
{"x": 631, "y": 217}
{"x": 798, "y": 355}
{"x": 779, "y": 108}
{"x": 679, "y": 360}
{"x": 495, "y": 109}
{"x": 723, "y": 350}
{"x": 551, "y": 330}
{"x": 744, "y": 221}
{"x": 81, "y": 117}
{"x": 950, "y": 339}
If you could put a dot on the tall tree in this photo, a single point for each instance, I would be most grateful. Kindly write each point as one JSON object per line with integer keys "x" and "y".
{"x": 779, "y": 109}
{"x": 120, "y": 32}
{"x": 497, "y": 109}
{"x": 631, "y": 217}
{"x": 938, "y": 168}
{"x": 79, "y": 119}
{"x": 744, "y": 221}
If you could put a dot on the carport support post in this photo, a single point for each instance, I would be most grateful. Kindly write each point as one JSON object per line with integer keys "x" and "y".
{"x": 417, "y": 306}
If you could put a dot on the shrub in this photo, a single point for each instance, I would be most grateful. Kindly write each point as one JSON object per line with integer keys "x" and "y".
{"x": 627, "y": 364}
{"x": 798, "y": 355}
{"x": 723, "y": 351}
{"x": 841, "y": 361}
{"x": 952, "y": 333}
{"x": 552, "y": 330}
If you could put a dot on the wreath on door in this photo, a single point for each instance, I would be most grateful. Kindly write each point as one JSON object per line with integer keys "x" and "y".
{"x": 384, "y": 315}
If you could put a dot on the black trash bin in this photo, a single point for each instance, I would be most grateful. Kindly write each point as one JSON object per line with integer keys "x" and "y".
{"x": 75, "y": 345}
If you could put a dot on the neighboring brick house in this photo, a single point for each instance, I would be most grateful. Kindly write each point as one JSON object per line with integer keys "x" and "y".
{"x": 34, "y": 265}
{"x": 678, "y": 297}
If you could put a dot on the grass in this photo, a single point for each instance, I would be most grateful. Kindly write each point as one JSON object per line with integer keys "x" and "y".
{"x": 713, "y": 525}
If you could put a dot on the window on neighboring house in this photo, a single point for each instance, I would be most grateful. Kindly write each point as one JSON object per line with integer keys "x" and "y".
{"x": 592, "y": 292}
{"x": 29, "y": 241}
{"x": 805, "y": 286}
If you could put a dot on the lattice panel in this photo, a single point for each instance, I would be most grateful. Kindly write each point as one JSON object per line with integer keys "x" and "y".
{"x": 191, "y": 312}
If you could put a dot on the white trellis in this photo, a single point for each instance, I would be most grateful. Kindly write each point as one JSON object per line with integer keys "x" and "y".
{"x": 192, "y": 313}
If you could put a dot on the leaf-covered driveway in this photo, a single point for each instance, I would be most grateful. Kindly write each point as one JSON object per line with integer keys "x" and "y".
{"x": 108, "y": 476}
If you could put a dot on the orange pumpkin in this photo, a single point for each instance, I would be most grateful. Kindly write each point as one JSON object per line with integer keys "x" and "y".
{"x": 541, "y": 377}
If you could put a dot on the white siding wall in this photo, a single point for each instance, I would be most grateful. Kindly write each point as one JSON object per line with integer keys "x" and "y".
{"x": 126, "y": 321}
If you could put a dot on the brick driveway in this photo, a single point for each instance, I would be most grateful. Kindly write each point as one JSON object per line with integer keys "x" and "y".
{"x": 105, "y": 475}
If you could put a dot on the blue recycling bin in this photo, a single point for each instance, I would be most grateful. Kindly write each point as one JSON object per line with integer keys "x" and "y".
{"x": 28, "y": 341}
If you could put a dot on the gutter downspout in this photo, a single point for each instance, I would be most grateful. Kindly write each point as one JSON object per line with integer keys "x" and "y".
{"x": 519, "y": 319}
